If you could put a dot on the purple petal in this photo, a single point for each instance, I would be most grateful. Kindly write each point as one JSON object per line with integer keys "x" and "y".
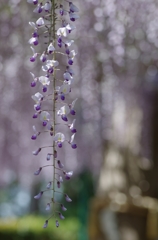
{"x": 73, "y": 145}
{"x": 60, "y": 179}
{"x": 38, "y": 196}
{"x": 63, "y": 208}
{"x": 68, "y": 175}
{"x": 57, "y": 223}
{"x": 48, "y": 207}
{"x": 38, "y": 171}
{"x": 61, "y": 216}
{"x": 60, "y": 164}
{"x": 67, "y": 198}
{"x": 36, "y": 152}
{"x": 59, "y": 144}
{"x": 46, "y": 224}
{"x": 48, "y": 156}
{"x": 49, "y": 185}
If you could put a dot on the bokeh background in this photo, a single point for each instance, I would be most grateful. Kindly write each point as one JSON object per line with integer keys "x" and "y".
{"x": 115, "y": 183}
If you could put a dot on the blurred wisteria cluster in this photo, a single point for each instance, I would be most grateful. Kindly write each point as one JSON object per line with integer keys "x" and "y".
{"x": 115, "y": 81}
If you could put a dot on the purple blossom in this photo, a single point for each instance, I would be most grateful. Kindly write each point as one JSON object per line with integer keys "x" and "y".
{"x": 48, "y": 207}
{"x": 39, "y": 195}
{"x": 60, "y": 165}
{"x": 58, "y": 184}
{"x": 38, "y": 171}
{"x": 70, "y": 61}
{"x": 62, "y": 207}
{"x": 57, "y": 223}
{"x": 68, "y": 175}
{"x": 57, "y": 93}
{"x": 43, "y": 57}
{"x": 67, "y": 198}
{"x": 60, "y": 179}
{"x": 73, "y": 145}
{"x": 61, "y": 216}
{"x": 35, "y": 115}
{"x": 49, "y": 185}
{"x": 64, "y": 118}
{"x": 39, "y": 8}
{"x": 33, "y": 84}
{"x": 48, "y": 156}
{"x": 46, "y": 224}
{"x": 36, "y": 152}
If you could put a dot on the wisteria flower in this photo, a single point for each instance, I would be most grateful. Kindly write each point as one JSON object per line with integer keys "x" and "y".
{"x": 38, "y": 171}
{"x": 73, "y": 16}
{"x": 72, "y": 105}
{"x": 59, "y": 139}
{"x": 40, "y": 22}
{"x": 62, "y": 207}
{"x": 48, "y": 207}
{"x": 73, "y": 7}
{"x": 37, "y": 97}
{"x": 44, "y": 117}
{"x": 51, "y": 48}
{"x": 39, "y": 8}
{"x": 50, "y": 32}
{"x": 67, "y": 198}
{"x": 73, "y": 145}
{"x": 72, "y": 126}
{"x": 46, "y": 224}
{"x": 33, "y": 83}
{"x": 68, "y": 175}
{"x": 47, "y": 6}
{"x": 34, "y": 40}
{"x": 44, "y": 80}
{"x": 63, "y": 112}
{"x": 39, "y": 195}
{"x": 63, "y": 32}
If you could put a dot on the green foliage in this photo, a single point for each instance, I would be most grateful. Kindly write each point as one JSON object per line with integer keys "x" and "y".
{"x": 31, "y": 228}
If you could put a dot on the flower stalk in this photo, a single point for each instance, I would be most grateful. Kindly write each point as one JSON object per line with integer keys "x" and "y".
{"x": 54, "y": 24}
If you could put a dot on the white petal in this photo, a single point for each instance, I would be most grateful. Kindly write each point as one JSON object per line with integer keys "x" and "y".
{"x": 47, "y": 6}
{"x": 33, "y": 75}
{"x": 72, "y": 124}
{"x": 40, "y": 22}
{"x": 69, "y": 42}
{"x": 72, "y": 138}
{"x": 74, "y": 15}
{"x": 44, "y": 80}
{"x": 62, "y": 32}
{"x": 72, "y": 54}
{"x": 73, "y": 103}
{"x": 33, "y": 50}
{"x": 45, "y": 68}
{"x": 73, "y": 7}
{"x": 34, "y": 128}
{"x": 44, "y": 116}
{"x": 51, "y": 47}
{"x": 37, "y": 97}
{"x": 32, "y": 24}
{"x": 67, "y": 76}
{"x": 70, "y": 27}
{"x": 65, "y": 88}
{"x": 65, "y": 110}
{"x": 32, "y": 40}
{"x": 52, "y": 63}
{"x": 59, "y": 137}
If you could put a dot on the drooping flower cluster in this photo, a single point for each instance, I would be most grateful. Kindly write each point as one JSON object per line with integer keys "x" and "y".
{"x": 54, "y": 25}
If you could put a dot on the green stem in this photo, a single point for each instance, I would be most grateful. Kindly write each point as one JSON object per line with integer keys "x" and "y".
{"x": 53, "y": 23}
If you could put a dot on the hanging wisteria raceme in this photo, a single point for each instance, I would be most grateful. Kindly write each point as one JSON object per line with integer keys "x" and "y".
{"x": 53, "y": 24}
